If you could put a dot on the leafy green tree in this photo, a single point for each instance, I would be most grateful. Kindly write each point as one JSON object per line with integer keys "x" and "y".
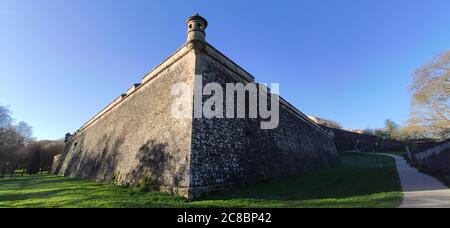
{"x": 381, "y": 133}
{"x": 392, "y": 129}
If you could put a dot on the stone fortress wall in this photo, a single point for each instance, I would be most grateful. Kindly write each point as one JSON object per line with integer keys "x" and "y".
{"x": 353, "y": 141}
{"x": 227, "y": 152}
{"x": 435, "y": 159}
{"x": 136, "y": 139}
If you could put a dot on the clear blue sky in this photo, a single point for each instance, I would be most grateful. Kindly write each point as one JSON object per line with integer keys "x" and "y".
{"x": 61, "y": 61}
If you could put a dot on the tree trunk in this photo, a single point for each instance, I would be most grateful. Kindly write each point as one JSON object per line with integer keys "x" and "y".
{"x": 13, "y": 171}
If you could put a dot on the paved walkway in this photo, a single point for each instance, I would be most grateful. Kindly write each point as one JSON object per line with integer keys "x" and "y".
{"x": 420, "y": 190}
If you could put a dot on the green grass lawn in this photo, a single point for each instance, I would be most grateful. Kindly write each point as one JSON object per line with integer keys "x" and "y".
{"x": 361, "y": 180}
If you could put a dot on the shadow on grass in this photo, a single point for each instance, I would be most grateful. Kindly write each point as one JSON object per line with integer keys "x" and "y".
{"x": 358, "y": 176}
{"x": 359, "y": 181}
{"x": 24, "y": 196}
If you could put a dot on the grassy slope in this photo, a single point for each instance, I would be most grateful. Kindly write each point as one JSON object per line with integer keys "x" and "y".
{"x": 359, "y": 181}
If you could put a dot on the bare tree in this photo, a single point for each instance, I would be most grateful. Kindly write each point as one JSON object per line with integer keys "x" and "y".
{"x": 430, "y": 110}
{"x": 5, "y": 117}
{"x": 11, "y": 134}
{"x": 13, "y": 143}
{"x": 25, "y": 131}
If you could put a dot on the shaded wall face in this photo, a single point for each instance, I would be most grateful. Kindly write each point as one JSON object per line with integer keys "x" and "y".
{"x": 438, "y": 162}
{"x": 435, "y": 159}
{"x": 349, "y": 141}
{"x": 139, "y": 140}
{"x": 230, "y": 151}
{"x": 418, "y": 147}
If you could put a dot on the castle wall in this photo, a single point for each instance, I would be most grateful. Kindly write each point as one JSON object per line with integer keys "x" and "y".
{"x": 351, "y": 141}
{"x": 227, "y": 152}
{"x": 435, "y": 159}
{"x": 418, "y": 146}
{"x": 137, "y": 140}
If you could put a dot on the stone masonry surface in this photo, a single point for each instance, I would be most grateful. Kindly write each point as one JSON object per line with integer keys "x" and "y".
{"x": 136, "y": 140}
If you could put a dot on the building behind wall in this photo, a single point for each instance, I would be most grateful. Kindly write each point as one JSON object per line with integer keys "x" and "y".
{"x": 136, "y": 139}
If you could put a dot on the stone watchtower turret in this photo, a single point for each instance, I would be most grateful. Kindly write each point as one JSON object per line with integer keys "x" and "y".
{"x": 196, "y": 31}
